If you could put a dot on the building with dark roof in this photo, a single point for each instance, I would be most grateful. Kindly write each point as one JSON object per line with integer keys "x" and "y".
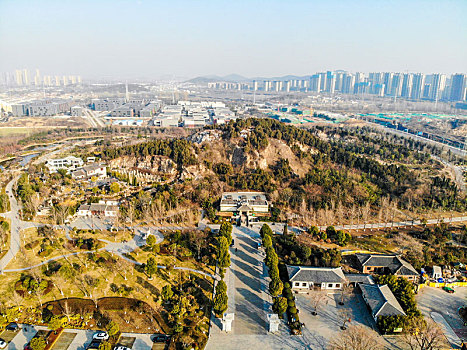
{"x": 88, "y": 171}
{"x": 245, "y": 206}
{"x": 305, "y": 278}
{"x": 380, "y": 300}
{"x": 356, "y": 278}
{"x": 386, "y": 264}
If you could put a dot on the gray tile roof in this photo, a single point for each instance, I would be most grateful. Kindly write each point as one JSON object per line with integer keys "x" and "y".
{"x": 98, "y": 207}
{"x": 394, "y": 263}
{"x": 316, "y": 274}
{"x": 359, "y": 278}
{"x": 79, "y": 172}
{"x": 380, "y": 300}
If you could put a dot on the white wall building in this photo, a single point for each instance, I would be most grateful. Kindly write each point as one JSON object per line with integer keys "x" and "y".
{"x": 88, "y": 171}
{"x": 68, "y": 163}
{"x": 305, "y": 278}
{"x": 244, "y": 201}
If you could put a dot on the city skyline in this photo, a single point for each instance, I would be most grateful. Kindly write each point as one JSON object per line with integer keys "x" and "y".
{"x": 140, "y": 39}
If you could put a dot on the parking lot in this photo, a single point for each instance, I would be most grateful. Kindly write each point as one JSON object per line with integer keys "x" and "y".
{"x": 8, "y": 335}
{"x": 64, "y": 341}
{"x": 323, "y": 327}
{"x": 75, "y": 339}
{"x": 436, "y": 300}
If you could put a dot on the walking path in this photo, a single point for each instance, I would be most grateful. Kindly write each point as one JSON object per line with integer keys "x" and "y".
{"x": 451, "y": 336}
{"x": 249, "y": 300}
{"x": 16, "y": 225}
{"x": 118, "y": 248}
{"x": 396, "y": 224}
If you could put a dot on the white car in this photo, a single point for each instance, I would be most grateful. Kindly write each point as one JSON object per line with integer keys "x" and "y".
{"x": 3, "y": 344}
{"x": 121, "y": 347}
{"x": 100, "y": 336}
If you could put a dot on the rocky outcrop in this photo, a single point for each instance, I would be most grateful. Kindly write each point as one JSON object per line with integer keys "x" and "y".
{"x": 154, "y": 164}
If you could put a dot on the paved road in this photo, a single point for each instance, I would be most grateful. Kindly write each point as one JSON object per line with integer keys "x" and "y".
{"x": 118, "y": 248}
{"x": 432, "y": 301}
{"x": 451, "y": 336}
{"x": 250, "y": 302}
{"x": 395, "y": 224}
{"x": 278, "y": 227}
{"x": 16, "y": 225}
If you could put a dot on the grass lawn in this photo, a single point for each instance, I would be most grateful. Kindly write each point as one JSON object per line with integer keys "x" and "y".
{"x": 6, "y": 245}
{"x": 28, "y": 256}
{"x": 16, "y": 131}
{"x": 142, "y": 256}
{"x": 66, "y": 338}
{"x": 115, "y": 236}
{"x": 110, "y": 269}
{"x": 8, "y": 336}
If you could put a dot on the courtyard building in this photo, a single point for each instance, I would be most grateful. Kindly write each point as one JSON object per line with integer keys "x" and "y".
{"x": 386, "y": 264}
{"x": 305, "y": 278}
{"x": 380, "y": 300}
{"x": 244, "y": 207}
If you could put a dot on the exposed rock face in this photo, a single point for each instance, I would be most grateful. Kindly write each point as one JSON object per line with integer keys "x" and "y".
{"x": 155, "y": 164}
{"x": 238, "y": 157}
{"x": 194, "y": 172}
{"x": 275, "y": 150}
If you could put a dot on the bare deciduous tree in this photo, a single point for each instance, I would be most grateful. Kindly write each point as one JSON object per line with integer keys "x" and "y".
{"x": 356, "y": 338}
{"x": 317, "y": 297}
{"x": 423, "y": 335}
{"x": 345, "y": 316}
{"x": 345, "y": 292}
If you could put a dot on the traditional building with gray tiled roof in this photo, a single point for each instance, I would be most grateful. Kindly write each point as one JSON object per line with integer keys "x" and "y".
{"x": 380, "y": 300}
{"x": 306, "y": 278}
{"x": 386, "y": 264}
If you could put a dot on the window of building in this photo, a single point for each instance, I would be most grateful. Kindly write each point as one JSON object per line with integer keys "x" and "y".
{"x": 304, "y": 284}
{"x": 330, "y": 285}
{"x": 296, "y": 284}
{"x": 338, "y": 285}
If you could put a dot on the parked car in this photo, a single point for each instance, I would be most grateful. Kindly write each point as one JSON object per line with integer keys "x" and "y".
{"x": 448, "y": 289}
{"x": 161, "y": 338}
{"x": 13, "y": 326}
{"x": 121, "y": 347}
{"x": 94, "y": 345}
{"x": 100, "y": 335}
{"x": 3, "y": 344}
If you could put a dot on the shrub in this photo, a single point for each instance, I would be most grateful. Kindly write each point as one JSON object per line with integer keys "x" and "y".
{"x": 37, "y": 343}
{"x": 280, "y": 306}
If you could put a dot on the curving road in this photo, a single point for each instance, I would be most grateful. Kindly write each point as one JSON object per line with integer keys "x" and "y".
{"x": 16, "y": 225}
{"x": 118, "y": 248}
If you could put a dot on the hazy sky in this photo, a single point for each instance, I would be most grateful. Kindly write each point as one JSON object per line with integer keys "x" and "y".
{"x": 142, "y": 38}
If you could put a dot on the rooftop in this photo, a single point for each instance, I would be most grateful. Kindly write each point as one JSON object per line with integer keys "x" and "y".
{"x": 316, "y": 274}
{"x": 394, "y": 263}
{"x": 381, "y": 300}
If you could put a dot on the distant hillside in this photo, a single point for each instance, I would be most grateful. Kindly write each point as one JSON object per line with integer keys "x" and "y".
{"x": 239, "y": 78}
{"x": 216, "y": 78}
{"x": 302, "y": 170}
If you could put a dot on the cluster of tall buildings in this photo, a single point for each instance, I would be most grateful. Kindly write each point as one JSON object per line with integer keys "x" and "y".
{"x": 413, "y": 86}
{"x": 23, "y": 77}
